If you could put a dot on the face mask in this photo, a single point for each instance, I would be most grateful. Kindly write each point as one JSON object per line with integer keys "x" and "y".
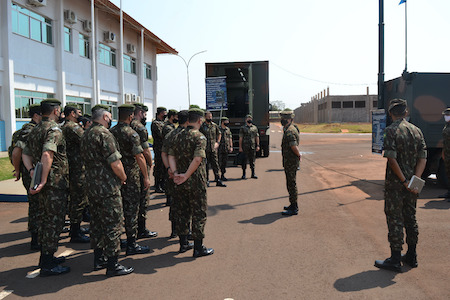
{"x": 109, "y": 124}
{"x": 284, "y": 122}
{"x": 208, "y": 120}
{"x": 447, "y": 118}
{"x": 175, "y": 121}
{"x": 250, "y": 122}
{"x": 79, "y": 119}
{"x": 144, "y": 121}
{"x": 60, "y": 118}
{"x": 226, "y": 124}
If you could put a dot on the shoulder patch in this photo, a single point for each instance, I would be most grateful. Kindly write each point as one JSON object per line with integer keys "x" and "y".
{"x": 56, "y": 128}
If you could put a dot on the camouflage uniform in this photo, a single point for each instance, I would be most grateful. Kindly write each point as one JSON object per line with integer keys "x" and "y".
{"x": 224, "y": 148}
{"x": 404, "y": 142}
{"x": 193, "y": 203}
{"x": 168, "y": 127}
{"x": 47, "y": 136}
{"x": 157, "y": 134}
{"x": 78, "y": 199}
{"x": 99, "y": 149}
{"x": 211, "y": 132}
{"x": 129, "y": 146}
{"x": 248, "y": 135}
{"x": 446, "y": 148}
{"x": 291, "y": 161}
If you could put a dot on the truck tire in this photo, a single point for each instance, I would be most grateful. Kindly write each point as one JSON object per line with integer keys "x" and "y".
{"x": 265, "y": 150}
{"x": 441, "y": 174}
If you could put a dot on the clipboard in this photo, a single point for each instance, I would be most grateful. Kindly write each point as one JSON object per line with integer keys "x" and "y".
{"x": 37, "y": 176}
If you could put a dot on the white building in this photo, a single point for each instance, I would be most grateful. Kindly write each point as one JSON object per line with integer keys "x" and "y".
{"x": 72, "y": 50}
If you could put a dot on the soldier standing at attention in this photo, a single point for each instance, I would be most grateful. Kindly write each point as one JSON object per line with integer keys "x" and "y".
{"x": 46, "y": 144}
{"x": 104, "y": 177}
{"x": 212, "y": 133}
{"x": 225, "y": 147}
{"x": 78, "y": 201}
{"x": 249, "y": 144}
{"x": 132, "y": 160}
{"x": 169, "y": 125}
{"x": 405, "y": 150}
{"x": 446, "y": 149}
{"x": 157, "y": 127}
{"x": 19, "y": 141}
{"x": 138, "y": 125}
{"x": 187, "y": 163}
{"x": 291, "y": 159}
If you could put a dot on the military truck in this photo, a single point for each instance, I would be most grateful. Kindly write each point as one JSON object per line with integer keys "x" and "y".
{"x": 247, "y": 92}
{"x": 428, "y": 95}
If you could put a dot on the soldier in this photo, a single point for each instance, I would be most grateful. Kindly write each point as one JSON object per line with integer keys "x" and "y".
{"x": 104, "y": 177}
{"x": 46, "y": 144}
{"x": 291, "y": 159}
{"x": 249, "y": 144}
{"x": 169, "y": 125}
{"x": 19, "y": 142}
{"x": 78, "y": 201}
{"x": 225, "y": 147}
{"x": 157, "y": 127}
{"x": 132, "y": 160}
{"x": 213, "y": 136}
{"x": 405, "y": 150}
{"x": 138, "y": 125}
{"x": 188, "y": 166}
{"x": 86, "y": 121}
{"x": 446, "y": 150}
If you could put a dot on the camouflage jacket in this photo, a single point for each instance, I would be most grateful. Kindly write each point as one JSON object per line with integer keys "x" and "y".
{"x": 129, "y": 147}
{"x": 99, "y": 149}
{"x": 19, "y": 140}
{"x": 446, "y": 136}
{"x": 142, "y": 131}
{"x": 224, "y": 145}
{"x": 168, "y": 127}
{"x": 72, "y": 134}
{"x": 157, "y": 127}
{"x": 169, "y": 139}
{"x": 47, "y": 136}
{"x": 404, "y": 142}
{"x": 211, "y": 132}
{"x": 194, "y": 145}
{"x": 248, "y": 135}
{"x": 290, "y": 138}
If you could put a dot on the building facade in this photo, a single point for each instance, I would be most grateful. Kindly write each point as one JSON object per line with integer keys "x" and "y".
{"x": 85, "y": 52}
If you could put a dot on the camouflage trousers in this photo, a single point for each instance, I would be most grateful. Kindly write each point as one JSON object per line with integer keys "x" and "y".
{"x": 77, "y": 197}
{"x": 290, "y": 170}
{"x": 131, "y": 195}
{"x": 223, "y": 159}
{"x": 212, "y": 160}
{"x": 143, "y": 198}
{"x": 33, "y": 205}
{"x": 447, "y": 170}
{"x": 250, "y": 156}
{"x": 400, "y": 210}
{"x": 106, "y": 223}
{"x": 52, "y": 204}
{"x": 191, "y": 204}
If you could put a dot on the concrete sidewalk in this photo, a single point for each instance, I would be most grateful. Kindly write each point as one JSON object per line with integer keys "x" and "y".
{"x": 12, "y": 191}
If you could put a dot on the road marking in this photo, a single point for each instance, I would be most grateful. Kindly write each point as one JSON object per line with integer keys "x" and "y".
{"x": 66, "y": 253}
{"x": 5, "y": 293}
{"x": 33, "y": 274}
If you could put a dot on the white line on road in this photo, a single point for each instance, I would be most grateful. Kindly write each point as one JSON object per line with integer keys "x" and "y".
{"x": 33, "y": 274}
{"x": 66, "y": 253}
{"x": 5, "y": 293}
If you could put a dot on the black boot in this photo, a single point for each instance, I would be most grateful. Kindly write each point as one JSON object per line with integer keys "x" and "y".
{"x": 291, "y": 210}
{"x": 76, "y": 236}
{"x": 253, "y": 174}
{"x": 49, "y": 267}
{"x": 100, "y": 260}
{"x": 173, "y": 234}
{"x": 184, "y": 244}
{"x": 168, "y": 200}
{"x": 134, "y": 248}
{"x": 113, "y": 268}
{"x": 34, "y": 245}
{"x": 158, "y": 187}
{"x": 144, "y": 233}
{"x": 56, "y": 260}
{"x": 220, "y": 183}
{"x": 410, "y": 258}
{"x": 392, "y": 263}
{"x": 223, "y": 178}
{"x": 200, "y": 250}
{"x": 243, "y": 173}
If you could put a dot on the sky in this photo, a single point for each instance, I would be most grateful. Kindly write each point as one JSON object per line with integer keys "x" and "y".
{"x": 310, "y": 45}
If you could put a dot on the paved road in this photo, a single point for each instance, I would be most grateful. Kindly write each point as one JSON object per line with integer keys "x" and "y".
{"x": 326, "y": 252}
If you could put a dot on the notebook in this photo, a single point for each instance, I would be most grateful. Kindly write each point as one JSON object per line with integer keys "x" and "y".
{"x": 416, "y": 182}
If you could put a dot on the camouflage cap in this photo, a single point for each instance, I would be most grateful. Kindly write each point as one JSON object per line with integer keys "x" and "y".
{"x": 446, "y": 111}
{"x": 127, "y": 107}
{"x": 100, "y": 106}
{"x": 396, "y": 102}
{"x": 197, "y": 111}
{"x": 87, "y": 116}
{"x": 287, "y": 114}
{"x": 51, "y": 101}
{"x": 172, "y": 112}
{"x": 249, "y": 116}
{"x": 224, "y": 119}
{"x": 160, "y": 109}
{"x": 35, "y": 109}
{"x": 140, "y": 106}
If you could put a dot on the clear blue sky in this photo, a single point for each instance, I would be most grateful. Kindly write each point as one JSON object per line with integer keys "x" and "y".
{"x": 311, "y": 45}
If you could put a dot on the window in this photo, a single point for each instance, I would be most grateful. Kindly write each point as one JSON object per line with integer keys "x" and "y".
{"x": 112, "y": 107}
{"x": 84, "y": 103}
{"x": 148, "y": 71}
{"x": 375, "y": 103}
{"x": 129, "y": 64}
{"x": 323, "y": 106}
{"x": 84, "y": 46}
{"x": 348, "y": 104}
{"x": 23, "y": 100}
{"x": 107, "y": 55}
{"x": 67, "y": 39}
{"x": 336, "y": 104}
{"x": 360, "y": 104}
{"x": 31, "y": 25}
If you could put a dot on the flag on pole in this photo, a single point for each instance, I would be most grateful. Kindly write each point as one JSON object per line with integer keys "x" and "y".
{"x": 402, "y": 1}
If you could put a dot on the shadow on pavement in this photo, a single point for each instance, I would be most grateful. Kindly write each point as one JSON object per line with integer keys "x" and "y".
{"x": 275, "y": 170}
{"x": 436, "y": 204}
{"x": 21, "y": 220}
{"x": 365, "y": 280}
{"x": 263, "y": 220}
{"x": 15, "y": 236}
{"x": 213, "y": 210}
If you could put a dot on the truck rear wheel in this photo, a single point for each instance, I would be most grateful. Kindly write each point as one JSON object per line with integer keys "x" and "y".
{"x": 441, "y": 174}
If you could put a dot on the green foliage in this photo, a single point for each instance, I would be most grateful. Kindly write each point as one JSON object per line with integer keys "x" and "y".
{"x": 336, "y": 128}
{"x": 6, "y": 169}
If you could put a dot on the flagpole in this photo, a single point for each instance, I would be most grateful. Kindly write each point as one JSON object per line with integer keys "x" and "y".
{"x": 406, "y": 36}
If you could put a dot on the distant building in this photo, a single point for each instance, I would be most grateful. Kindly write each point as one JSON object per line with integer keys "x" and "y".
{"x": 75, "y": 51}
{"x": 325, "y": 108}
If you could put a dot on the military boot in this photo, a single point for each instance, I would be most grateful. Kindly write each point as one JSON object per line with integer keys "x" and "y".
{"x": 223, "y": 178}
{"x": 144, "y": 233}
{"x": 76, "y": 236}
{"x": 56, "y": 260}
{"x": 200, "y": 250}
{"x": 243, "y": 173}
{"x": 100, "y": 260}
{"x": 173, "y": 234}
{"x": 113, "y": 268}
{"x": 158, "y": 187}
{"x": 410, "y": 258}
{"x": 168, "y": 200}
{"x": 253, "y": 174}
{"x": 49, "y": 267}
{"x": 219, "y": 182}
{"x": 184, "y": 244}
{"x": 291, "y": 210}
{"x": 392, "y": 263}
{"x": 34, "y": 245}
{"x": 134, "y": 248}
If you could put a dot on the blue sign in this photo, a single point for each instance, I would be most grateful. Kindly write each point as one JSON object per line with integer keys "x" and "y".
{"x": 216, "y": 93}
{"x": 378, "y": 126}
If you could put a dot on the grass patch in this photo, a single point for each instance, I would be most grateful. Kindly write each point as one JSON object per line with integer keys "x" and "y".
{"x": 336, "y": 128}
{"x": 6, "y": 169}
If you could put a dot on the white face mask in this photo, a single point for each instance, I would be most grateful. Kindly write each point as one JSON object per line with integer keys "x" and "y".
{"x": 447, "y": 118}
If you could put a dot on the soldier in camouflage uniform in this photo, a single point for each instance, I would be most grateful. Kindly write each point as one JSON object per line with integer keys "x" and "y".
{"x": 78, "y": 201}
{"x": 133, "y": 160}
{"x": 187, "y": 163}
{"x": 405, "y": 150}
{"x": 169, "y": 125}
{"x": 19, "y": 142}
{"x": 249, "y": 144}
{"x": 225, "y": 146}
{"x": 291, "y": 159}
{"x": 104, "y": 177}
{"x": 446, "y": 149}
{"x": 157, "y": 127}
{"x": 46, "y": 144}
{"x": 138, "y": 125}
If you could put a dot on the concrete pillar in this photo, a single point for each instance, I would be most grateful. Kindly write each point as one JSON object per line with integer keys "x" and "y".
{"x": 140, "y": 66}
{"x": 59, "y": 50}
{"x": 121, "y": 67}
{"x": 95, "y": 96}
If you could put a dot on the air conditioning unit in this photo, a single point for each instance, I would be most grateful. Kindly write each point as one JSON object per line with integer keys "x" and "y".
{"x": 131, "y": 48}
{"x": 87, "y": 25}
{"x": 138, "y": 99}
{"x": 70, "y": 16}
{"x": 128, "y": 98}
{"x": 37, "y": 2}
{"x": 133, "y": 97}
{"x": 110, "y": 37}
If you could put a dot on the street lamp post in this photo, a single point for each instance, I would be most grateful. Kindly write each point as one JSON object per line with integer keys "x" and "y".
{"x": 187, "y": 73}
